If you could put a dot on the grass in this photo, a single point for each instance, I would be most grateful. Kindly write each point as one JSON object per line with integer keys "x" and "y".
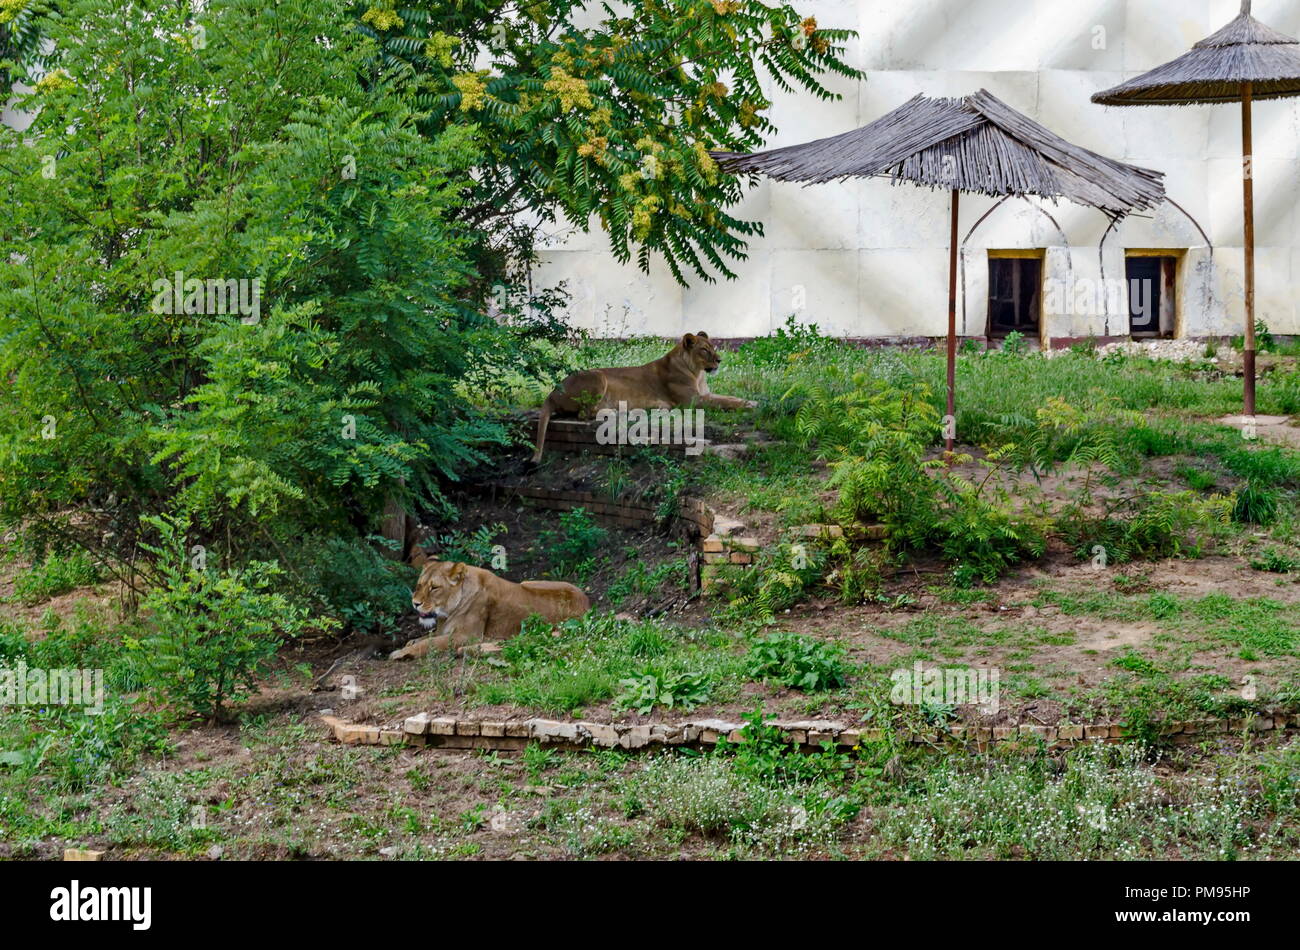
{"x": 132, "y": 780}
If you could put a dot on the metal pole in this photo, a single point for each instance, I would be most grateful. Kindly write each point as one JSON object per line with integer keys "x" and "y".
{"x": 949, "y": 423}
{"x": 1248, "y": 206}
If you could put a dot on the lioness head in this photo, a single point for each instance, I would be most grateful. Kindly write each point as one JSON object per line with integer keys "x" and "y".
{"x": 438, "y": 590}
{"x": 701, "y": 352}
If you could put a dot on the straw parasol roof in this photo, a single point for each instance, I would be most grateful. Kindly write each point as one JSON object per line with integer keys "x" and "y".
{"x": 1245, "y": 50}
{"x": 976, "y": 144}
{"x": 1242, "y": 62}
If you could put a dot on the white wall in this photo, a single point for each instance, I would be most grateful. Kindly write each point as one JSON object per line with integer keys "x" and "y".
{"x": 871, "y": 257}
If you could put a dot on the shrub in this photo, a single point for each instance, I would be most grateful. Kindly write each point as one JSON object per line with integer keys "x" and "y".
{"x": 574, "y": 546}
{"x": 798, "y": 662}
{"x": 210, "y": 633}
{"x": 644, "y": 691}
{"x": 1158, "y": 525}
{"x": 779, "y": 578}
{"x": 365, "y": 590}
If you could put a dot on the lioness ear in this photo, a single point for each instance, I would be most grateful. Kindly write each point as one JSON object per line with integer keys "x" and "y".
{"x": 702, "y": 335}
{"x": 688, "y": 341}
{"x": 457, "y": 572}
{"x": 417, "y": 558}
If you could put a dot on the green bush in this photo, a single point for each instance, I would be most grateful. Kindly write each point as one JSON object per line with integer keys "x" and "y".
{"x": 644, "y": 691}
{"x": 798, "y": 662}
{"x": 367, "y": 591}
{"x": 338, "y": 380}
{"x": 210, "y": 632}
{"x": 572, "y": 549}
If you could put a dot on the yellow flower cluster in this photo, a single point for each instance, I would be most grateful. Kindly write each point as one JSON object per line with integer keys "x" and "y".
{"x": 643, "y": 216}
{"x": 594, "y": 149}
{"x": 723, "y": 7}
{"x": 809, "y": 26}
{"x": 571, "y": 91}
{"x": 54, "y": 80}
{"x": 708, "y": 167}
{"x": 382, "y": 19}
{"x": 9, "y": 9}
{"x": 472, "y": 90}
{"x": 438, "y": 48}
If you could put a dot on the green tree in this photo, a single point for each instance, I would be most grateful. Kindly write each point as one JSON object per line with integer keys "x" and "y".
{"x": 614, "y": 119}
{"x": 192, "y": 153}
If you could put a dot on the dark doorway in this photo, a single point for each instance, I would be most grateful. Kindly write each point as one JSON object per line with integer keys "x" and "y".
{"x": 1151, "y": 295}
{"x": 1015, "y": 285}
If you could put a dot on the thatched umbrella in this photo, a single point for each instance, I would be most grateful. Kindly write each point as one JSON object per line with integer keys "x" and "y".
{"x": 976, "y": 143}
{"x": 1244, "y": 61}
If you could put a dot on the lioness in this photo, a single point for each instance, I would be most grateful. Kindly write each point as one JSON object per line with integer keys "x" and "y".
{"x": 675, "y": 380}
{"x": 471, "y": 604}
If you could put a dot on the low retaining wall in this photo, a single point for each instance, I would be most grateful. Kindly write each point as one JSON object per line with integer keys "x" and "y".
{"x": 692, "y": 513}
{"x": 579, "y": 435}
{"x": 449, "y": 732}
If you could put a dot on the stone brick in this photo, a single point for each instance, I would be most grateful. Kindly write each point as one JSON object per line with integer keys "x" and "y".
{"x": 416, "y": 725}
{"x": 442, "y": 726}
{"x": 392, "y": 737}
{"x": 1002, "y": 733}
{"x": 602, "y": 734}
{"x": 712, "y": 544}
{"x": 80, "y": 854}
{"x": 666, "y": 734}
{"x": 1117, "y": 731}
{"x": 492, "y": 728}
{"x": 547, "y": 730}
{"x": 743, "y": 544}
{"x": 819, "y": 531}
{"x": 518, "y": 728}
{"x": 849, "y": 737}
{"x": 725, "y": 526}
{"x": 1262, "y": 724}
{"x": 739, "y": 558}
{"x": 719, "y": 557}
{"x": 635, "y": 737}
{"x": 1096, "y": 731}
{"x": 1069, "y": 730}
{"x": 712, "y": 729}
{"x": 352, "y": 734}
{"x": 466, "y": 727}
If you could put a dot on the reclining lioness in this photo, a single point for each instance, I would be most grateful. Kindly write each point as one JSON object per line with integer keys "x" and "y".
{"x": 467, "y": 604}
{"x": 675, "y": 380}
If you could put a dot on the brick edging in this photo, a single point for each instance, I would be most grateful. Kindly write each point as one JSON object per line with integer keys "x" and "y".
{"x": 425, "y": 729}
